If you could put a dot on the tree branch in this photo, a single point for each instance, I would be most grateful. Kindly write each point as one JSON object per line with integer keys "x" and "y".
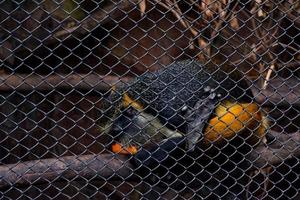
{"x": 116, "y": 167}
{"x": 78, "y": 81}
{"x": 105, "y": 166}
{"x": 109, "y": 13}
{"x": 278, "y": 92}
{"x": 285, "y": 146}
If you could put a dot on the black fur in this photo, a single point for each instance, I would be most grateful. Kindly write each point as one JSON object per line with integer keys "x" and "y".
{"x": 165, "y": 94}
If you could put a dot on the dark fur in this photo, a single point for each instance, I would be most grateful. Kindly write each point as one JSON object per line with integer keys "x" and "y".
{"x": 164, "y": 94}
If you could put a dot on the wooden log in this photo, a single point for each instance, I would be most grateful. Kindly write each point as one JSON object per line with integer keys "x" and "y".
{"x": 115, "y": 167}
{"x": 112, "y": 12}
{"x": 284, "y": 147}
{"x": 105, "y": 166}
{"x": 278, "y": 92}
{"x": 78, "y": 81}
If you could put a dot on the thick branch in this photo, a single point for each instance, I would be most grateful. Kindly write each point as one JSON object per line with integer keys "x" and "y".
{"x": 80, "y": 81}
{"x": 278, "y": 91}
{"x": 112, "y": 167}
{"x": 285, "y": 146}
{"x": 105, "y": 166}
{"x": 109, "y": 13}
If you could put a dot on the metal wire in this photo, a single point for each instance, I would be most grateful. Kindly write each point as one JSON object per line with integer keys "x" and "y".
{"x": 67, "y": 65}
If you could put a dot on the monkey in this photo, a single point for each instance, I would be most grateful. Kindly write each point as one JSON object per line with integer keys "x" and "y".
{"x": 155, "y": 106}
{"x": 184, "y": 107}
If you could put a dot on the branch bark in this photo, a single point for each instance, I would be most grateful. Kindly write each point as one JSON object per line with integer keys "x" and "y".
{"x": 109, "y": 13}
{"x": 105, "y": 166}
{"x": 116, "y": 167}
{"x": 285, "y": 146}
{"x": 278, "y": 91}
{"x": 78, "y": 81}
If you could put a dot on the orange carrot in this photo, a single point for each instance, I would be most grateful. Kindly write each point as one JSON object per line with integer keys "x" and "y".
{"x": 117, "y": 148}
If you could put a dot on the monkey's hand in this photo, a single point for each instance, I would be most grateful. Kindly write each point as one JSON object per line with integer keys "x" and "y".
{"x": 198, "y": 116}
{"x": 155, "y": 164}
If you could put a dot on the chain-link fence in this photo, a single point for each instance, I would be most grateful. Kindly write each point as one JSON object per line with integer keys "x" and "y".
{"x": 149, "y": 99}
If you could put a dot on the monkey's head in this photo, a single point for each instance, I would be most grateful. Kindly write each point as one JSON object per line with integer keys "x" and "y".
{"x": 133, "y": 128}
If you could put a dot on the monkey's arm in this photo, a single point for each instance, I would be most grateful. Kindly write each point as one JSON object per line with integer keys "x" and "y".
{"x": 159, "y": 152}
{"x": 197, "y": 118}
{"x": 168, "y": 152}
{"x": 155, "y": 163}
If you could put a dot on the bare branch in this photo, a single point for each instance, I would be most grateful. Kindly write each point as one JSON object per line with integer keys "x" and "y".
{"x": 268, "y": 76}
{"x": 285, "y": 146}
{"x": 106, "y": 14}
{"x": 105, "y": 166}
{"x": 279, "y": 91}
{"x": 116, "y": 167}
{"x": 78, "y": 81}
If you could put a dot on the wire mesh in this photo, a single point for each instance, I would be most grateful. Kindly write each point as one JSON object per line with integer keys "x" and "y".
{"x": 149, "y": 99}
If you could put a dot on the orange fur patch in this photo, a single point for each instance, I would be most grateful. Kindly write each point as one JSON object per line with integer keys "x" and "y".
{"x": 127, "y": 101}
{"x": 231, "y": 119}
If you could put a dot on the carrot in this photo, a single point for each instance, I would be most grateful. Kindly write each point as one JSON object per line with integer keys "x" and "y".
{"x": 117, "y": 148}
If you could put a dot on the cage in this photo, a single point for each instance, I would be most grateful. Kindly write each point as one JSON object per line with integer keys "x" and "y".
{"x": 149, "y": 99}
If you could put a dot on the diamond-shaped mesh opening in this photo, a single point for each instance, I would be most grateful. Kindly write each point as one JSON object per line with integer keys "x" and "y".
{"x": 149, "y": 99}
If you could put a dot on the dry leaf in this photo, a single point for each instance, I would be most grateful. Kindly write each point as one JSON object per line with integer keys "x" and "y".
{"x": 261, "y": 13}
{"x": 234, "y": 23}
{"x": 202, "y": 43}
{"x": 206, "y": 4}
{"x": 142, "y": 5}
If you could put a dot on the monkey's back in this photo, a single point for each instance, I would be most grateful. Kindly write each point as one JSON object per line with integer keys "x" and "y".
{"x": 167, "y": 91}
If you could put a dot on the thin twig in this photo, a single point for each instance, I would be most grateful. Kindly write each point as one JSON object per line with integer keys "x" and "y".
{"x": 269, "y": 72}
{"x": 286, "y": 46}
{"x": 227, "y": 16}
{"x": 177, "y": 15}
{"x": 295, "y": 64}
{"x": 268, "y": 76}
